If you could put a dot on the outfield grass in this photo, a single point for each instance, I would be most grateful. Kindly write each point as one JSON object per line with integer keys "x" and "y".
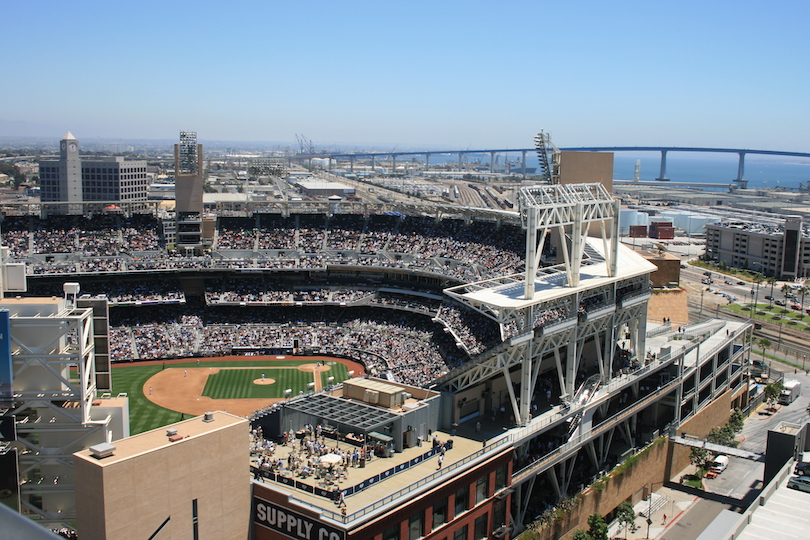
{"x": 145, "y": 415}
{"x": 238, "y": 383}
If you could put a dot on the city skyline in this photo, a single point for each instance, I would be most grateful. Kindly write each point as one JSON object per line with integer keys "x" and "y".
{"x": 458, "y": 75}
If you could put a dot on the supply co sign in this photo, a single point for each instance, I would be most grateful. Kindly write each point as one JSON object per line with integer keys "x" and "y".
{"x": 292, "y": 524}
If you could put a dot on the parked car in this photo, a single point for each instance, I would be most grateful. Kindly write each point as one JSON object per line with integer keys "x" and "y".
{"x": 802, "y": 483}
{"x": 759, "y": 365}
{"x": 719, "y": 464}
{"x": 802, "y": 469}
{"x": 780, "y": 303}
{"x": 797, "y": 307}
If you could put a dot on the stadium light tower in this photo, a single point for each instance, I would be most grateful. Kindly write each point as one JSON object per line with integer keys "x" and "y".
{"x": 549, "y": 157}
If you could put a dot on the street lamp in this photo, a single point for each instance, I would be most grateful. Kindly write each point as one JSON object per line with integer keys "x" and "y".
{"x": 649, "y": 511}
{"x": 753, "y": 305}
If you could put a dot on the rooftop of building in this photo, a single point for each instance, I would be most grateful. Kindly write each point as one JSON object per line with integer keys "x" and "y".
{"x": 322, "y": 184}
{"x": 551, "y": 280}
{"x": 657, "y": 255}
{"x": 157, "y": 439}
{"x": 379, "y": 481}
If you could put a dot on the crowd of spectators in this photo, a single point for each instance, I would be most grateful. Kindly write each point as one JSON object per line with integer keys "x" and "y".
{"x": 398, "y": 345}
{"x": 94, "y": 236}
{"x": 465, "y": 251}
{"x": 475, "y": 332}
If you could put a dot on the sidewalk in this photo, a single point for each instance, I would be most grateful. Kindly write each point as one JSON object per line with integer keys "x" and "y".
{"x": 667, "y": 507}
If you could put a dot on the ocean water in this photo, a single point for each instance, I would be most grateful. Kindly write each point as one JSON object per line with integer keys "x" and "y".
{"x": 760, "y": 171}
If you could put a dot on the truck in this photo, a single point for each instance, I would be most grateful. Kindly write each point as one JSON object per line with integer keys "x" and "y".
{"x": 790, "y": 391}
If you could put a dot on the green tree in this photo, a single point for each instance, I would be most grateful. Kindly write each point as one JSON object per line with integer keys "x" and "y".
{"x": 764, "y": 344}
{"x": 580, "y": 534}
{"x": 626, "y": 516}
{"x": 597, "y": 527}
{"x": 772, "y": 392}
{"x": 803, "y": 291}
{"x": 698, "y": 457}
{"x": 786, "y": 291}
{"x": 736, "y": 420}
{"x": 722, "y": 435}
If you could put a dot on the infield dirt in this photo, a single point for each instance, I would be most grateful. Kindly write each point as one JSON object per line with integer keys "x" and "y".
{"x": 180, "y": 388}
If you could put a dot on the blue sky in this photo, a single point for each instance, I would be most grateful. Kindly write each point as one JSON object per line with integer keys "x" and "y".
{"x": 411, "y": 74}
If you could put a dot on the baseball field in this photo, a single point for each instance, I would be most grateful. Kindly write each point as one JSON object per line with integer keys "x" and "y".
{"x": 161, "y": 393}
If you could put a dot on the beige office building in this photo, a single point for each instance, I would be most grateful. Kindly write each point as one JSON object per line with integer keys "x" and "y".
{"x": 190, "y": 481}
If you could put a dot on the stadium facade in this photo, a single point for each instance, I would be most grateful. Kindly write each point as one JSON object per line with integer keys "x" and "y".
{"x": 572, "y": 380}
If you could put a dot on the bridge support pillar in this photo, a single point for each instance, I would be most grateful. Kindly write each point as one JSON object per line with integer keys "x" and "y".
{"x": 492, "y": 162}
{"x": 663, "y": 176}
{"x": 372, "y": 163}
{"x": 740, "y": 180}
{"x": 427, "y": 161}
{"x": 393, "y": 164}
{"x": 523, "y": 163}
{"x": 351, "y": 164}
{"x": 459, "y": 161}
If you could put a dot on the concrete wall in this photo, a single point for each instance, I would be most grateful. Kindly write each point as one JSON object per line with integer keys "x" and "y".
{"x": 669, "y": 268}
{"x": 587, "y": 167}
{"x": 147, "y": 480}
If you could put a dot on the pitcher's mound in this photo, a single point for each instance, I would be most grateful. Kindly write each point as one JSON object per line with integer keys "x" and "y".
{"x": 264, "y": 381}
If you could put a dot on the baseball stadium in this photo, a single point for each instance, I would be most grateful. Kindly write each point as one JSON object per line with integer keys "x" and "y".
{"x": 522, "y": 335}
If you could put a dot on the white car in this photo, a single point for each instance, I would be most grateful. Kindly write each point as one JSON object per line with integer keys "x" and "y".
{"x": 802, "y": 483}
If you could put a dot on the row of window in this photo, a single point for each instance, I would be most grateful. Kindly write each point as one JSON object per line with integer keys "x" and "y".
{"x": 461, "y": 504}
{"x": 122, "y": 170}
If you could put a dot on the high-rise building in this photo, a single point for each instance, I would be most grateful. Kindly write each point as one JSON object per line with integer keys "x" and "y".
{"x": 73, "y": 179}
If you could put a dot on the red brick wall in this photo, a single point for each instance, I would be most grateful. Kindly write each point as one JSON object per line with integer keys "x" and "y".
{"x": 660, "y": 463}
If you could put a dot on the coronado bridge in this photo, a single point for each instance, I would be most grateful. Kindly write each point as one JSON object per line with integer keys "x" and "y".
{"x": 664, "y": 150}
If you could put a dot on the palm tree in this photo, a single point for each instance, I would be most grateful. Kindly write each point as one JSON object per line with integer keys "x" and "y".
{"x": 764, "y": 344}
{"x": 771, "y": 281}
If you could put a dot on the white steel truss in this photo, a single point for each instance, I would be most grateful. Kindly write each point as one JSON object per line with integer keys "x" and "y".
{"x": 53, "y": 362}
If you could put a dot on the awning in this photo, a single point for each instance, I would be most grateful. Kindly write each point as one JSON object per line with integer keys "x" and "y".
{"x": 380, "y": 436}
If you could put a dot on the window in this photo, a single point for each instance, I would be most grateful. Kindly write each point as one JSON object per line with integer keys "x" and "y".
{"x": 481, "y": 489}
{"x": 195, "y": 522}
{"x": 415, "y": 526}
{"x": 391, "y": 533}
{"x": 462, "y": 500}
{"x": 481, "y": 529}
{"x": 461, "y": 534}
{"x": 439, "y": 513}
{"x": 500, "y": 477}
{"x": 499, "y": 514}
